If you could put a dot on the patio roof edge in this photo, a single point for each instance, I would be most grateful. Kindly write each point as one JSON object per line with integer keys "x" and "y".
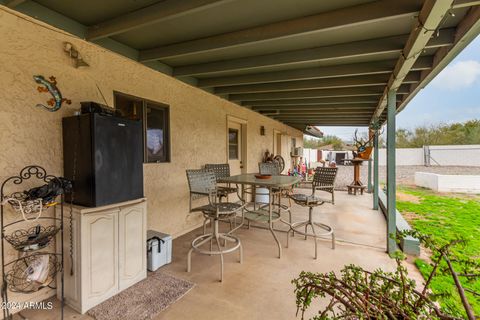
{"x": 429, "y": 20}
{"x": 467, "y": 31}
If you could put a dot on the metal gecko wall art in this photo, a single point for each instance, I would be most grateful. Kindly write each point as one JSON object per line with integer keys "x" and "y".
{"x": 50, "y": 86}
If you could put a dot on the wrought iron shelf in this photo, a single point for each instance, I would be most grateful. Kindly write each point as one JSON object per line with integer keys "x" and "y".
{"x": 37, "y": 266}
{"x": 32, "y": 239}
{"x": 18, "y": 278}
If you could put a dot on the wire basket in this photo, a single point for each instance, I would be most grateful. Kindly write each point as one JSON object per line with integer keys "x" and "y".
{"x": 32, "y": 239}
{"x": 28, "y": 207}
{"x": 20, "y": 278}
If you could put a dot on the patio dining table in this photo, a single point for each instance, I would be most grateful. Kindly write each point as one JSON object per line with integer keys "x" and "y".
{"x": 274, "y": 183}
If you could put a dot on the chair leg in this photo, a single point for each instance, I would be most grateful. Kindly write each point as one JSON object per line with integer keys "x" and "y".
{"x": 228, "y": 238}
{"x": 221, "y": 257}
{"x": 240, "y": 254}
{"x": 288, "y": 236}
{"x": 189, "y": 260}
{"x": 290, "y": 221}
{"x": 204, "y": 226}
{"x": 314, "y": 239}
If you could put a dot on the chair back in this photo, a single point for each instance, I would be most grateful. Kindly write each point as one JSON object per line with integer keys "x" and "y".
{"x": 221, "y": 170}
{"x": 201, "y": 181}
{"x": 269, "y": 168}
{"x": 324, "y": 177}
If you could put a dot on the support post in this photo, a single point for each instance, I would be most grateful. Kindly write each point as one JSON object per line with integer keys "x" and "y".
{"x": 375, "y": 171}
{"x": 369, "y": 183}
{"x": 391, "y": 183}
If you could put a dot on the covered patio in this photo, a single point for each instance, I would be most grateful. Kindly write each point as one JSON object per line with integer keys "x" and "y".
{"x": 232, "y": 79}
{"x": 261, "y": 288}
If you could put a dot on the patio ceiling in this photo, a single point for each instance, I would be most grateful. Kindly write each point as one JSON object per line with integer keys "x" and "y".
{"x": 303, "y": 62}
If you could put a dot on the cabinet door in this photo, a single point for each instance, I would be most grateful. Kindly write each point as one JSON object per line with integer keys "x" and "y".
{"x": 132, "y": 245}
{"x": 100, "y": 257}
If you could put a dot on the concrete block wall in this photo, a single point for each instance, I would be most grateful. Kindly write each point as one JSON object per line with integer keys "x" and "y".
{"x": 448, "y": 183}
{"x": 447, "y": 155}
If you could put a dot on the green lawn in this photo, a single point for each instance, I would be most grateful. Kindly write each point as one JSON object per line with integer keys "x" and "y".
{"x": 445, "y": 217}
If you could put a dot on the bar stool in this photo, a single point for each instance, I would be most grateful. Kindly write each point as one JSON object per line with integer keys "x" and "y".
{"x": 221, "y": 170}
{"x": 204, "y": 182}
{"x": 323, "y": 180}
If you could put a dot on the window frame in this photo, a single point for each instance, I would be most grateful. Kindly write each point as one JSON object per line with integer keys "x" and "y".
{"x": 166, "y": 121}
{"x": 237, "y": 144}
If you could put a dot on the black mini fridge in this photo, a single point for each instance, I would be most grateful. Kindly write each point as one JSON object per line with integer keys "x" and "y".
{"x": 103, "y": 156}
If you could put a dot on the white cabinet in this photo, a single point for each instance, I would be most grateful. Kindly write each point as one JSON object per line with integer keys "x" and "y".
{"x": 109, "y": 252}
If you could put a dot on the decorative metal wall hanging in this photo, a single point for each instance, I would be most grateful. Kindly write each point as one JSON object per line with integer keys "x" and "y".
{"x": 50, "y": 86}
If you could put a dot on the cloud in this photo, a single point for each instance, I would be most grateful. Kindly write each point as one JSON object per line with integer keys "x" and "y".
{"x": 460, "y": 75}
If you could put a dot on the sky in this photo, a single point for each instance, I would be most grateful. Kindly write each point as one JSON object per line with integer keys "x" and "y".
{"x": 453, "y": 96}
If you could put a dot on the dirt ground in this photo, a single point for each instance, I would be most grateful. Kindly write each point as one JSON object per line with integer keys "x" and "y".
{"x": 405, "y": 174}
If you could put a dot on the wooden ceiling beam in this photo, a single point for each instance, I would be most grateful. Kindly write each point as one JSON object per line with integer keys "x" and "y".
{"x": 353, "y": 16}
{"x": 154, "y": 13}
{"x": 14, "y": 3}
{"x": 343, "y": 82}
{"x": 467, "y": 30}
{"x": 366, "y": 113}
{"x": 327, "y": 123}
{"x": 375, "y": 48}
{"x": 362, "y": 115}
{"x": 348, "y": 107}
{"x": 318, "y": 93}
{"x": 317, "y": 117}
{"x": 430, "y": 18}
{"x": 346, "y": 70}
{"x": 311, "y": 101}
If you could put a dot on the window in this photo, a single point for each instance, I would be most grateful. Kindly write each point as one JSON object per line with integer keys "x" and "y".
{"x": 155, "y": 120}
{"x": 233, "y": 144}
{"x": 294, "y": 145}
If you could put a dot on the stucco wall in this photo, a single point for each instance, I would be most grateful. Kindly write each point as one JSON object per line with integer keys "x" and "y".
{"x": 30, "y": 135}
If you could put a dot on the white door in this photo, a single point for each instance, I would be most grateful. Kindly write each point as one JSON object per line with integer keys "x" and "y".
{"x": 235, "y": 152}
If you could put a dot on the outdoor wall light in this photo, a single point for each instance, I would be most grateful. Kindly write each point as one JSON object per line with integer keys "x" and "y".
{"x": 262, "y": 130}
{"x": 75, "y": 55}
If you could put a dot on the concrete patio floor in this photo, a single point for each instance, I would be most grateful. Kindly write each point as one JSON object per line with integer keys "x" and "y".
{"x": 261, "y": 288}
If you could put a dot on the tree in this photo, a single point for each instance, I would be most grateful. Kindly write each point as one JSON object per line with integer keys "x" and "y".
{"x": 316, "y": 143}
{"x": 440, "y": 134}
